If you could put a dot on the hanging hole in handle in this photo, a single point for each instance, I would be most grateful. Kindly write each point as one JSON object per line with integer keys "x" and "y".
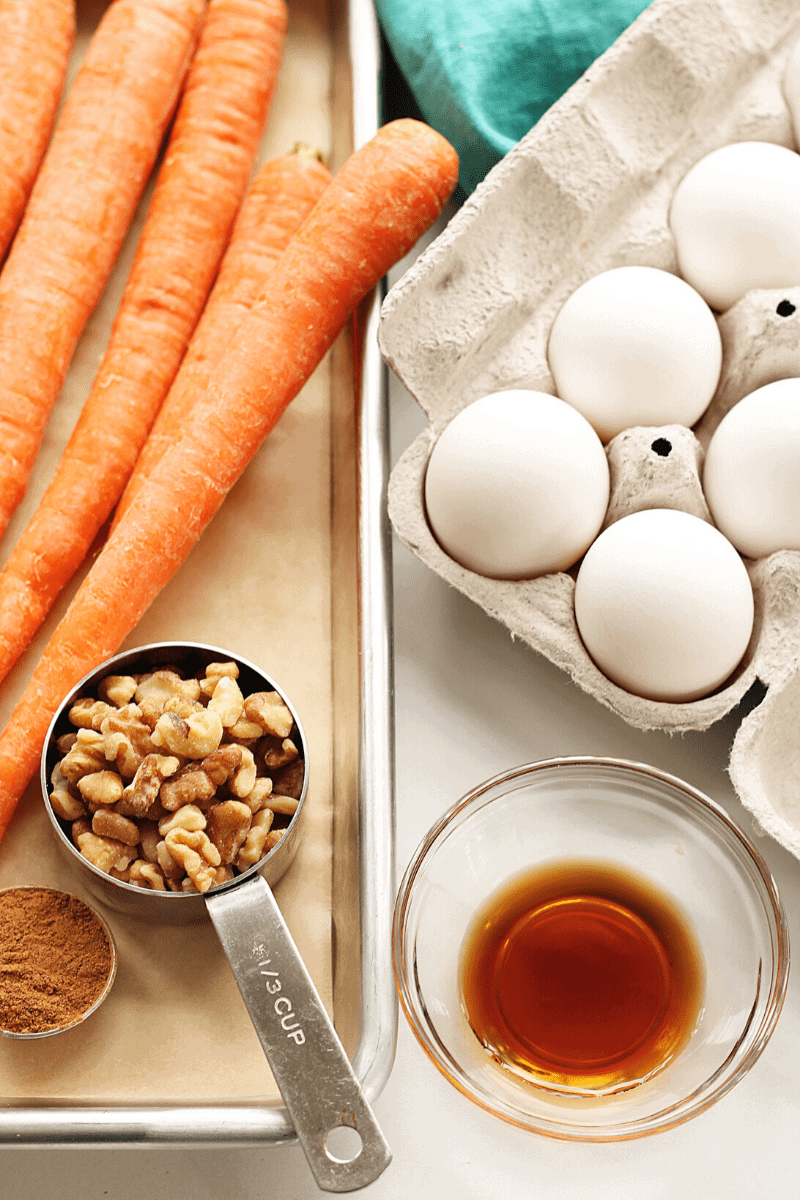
{"x": 343, "y": 1144}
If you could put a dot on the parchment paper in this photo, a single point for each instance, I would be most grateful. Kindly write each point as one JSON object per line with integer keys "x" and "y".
{"x": 258, "y": 584}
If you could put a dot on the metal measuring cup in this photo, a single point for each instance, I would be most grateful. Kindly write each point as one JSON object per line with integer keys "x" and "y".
{"x": 315, "y": 1078}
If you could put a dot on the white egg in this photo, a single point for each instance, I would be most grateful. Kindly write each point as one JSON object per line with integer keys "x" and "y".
{"x": 751, "y": 476}
{"x": 635, "y": 346}
{"x": 517, "y": 485}
{"x": 735, "y": 218}
{"x": 664, "y": 605}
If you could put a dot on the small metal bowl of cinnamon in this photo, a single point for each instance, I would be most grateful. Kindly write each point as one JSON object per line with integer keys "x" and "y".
{"x": 58, "y": 961}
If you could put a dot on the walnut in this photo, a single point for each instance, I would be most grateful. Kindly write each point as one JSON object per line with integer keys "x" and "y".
{"x": 245, "y": 731}
{"x": 112, "y": 825}
{"x": 66, "y": 806}
{"x": 148, "y": 875}
{"x": 256, "y": 799}
{"x": 253, "y": 849}
{"x": 228, "y": 701}
{"x": 171, "y": 869}
{"x": 227, "y": 827}
{"x": 101, "y": 787}
{"x": 216, "y": 671}
{"x": 86, "y": 756}
{"x": 196, "y": 854}
{"x": 149, "y": 837}
{"x": 66, "y": 742}
{"x": 277, "y": 752}
{"x": 139, "y": 796}
{"x": 89, "y": 713}
{"x": 193, "y": 737}
{"x": 118, "y": 690}
{"x": 244, "y": 780}
{"x": 165, "y": 684}
{"x": 135, "y": 742}
{"x": 268, "y": 710}
{"x": 190, "y": 786}
{"x": 105, "y": 853}
{"x": 285, "y": 805}
{"x": 220, "y": 765}
{"x": 289, "y": 780}
{"x": 187, "y": 817}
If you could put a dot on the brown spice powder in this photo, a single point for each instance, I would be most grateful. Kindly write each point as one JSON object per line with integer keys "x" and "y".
{"x": 55, "y": 959}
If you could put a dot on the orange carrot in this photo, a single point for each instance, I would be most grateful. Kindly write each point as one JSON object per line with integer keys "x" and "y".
{"x": 383, "y": 199}
{"x": 206, "y": 167}
{"x": 279, "y": 199}
{"x": 95, "y": 169}
{"x": 35, "y": 42}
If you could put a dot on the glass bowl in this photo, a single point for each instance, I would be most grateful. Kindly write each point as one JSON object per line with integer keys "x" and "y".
{"x": 630, "y": 817}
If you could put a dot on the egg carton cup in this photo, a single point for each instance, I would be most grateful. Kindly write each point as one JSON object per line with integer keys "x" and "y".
{"x": 589, "y": 189}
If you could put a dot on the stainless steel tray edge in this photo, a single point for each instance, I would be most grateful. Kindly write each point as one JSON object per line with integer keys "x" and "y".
{"x": 61, "y": 1124}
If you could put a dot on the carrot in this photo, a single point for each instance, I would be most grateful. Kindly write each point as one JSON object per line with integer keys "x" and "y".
{"x": 206, "y": 167}
{"x": 279, "y": 199}
{"x": 93, "y": 174}
{"x": 384, "y": 198}
{"x": 35, "y": 42}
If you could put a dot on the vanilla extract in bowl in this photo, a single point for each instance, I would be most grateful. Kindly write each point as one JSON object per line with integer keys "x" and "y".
{"x": 581, "y": 976}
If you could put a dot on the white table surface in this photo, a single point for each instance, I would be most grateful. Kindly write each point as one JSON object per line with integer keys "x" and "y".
{"x": 470, "y": 703}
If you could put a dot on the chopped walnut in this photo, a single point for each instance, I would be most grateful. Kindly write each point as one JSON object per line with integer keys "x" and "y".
{"x": 86, "y": 756}
{"x": 190, "y": 786}
{"x": 105, "y": 853}
{"x": 112, "y": 825}
{"x": 66, "y": 806}
{"x": 193, "y": 737}
{"x": 134, "y": 744}
{"x": 268, "y": 710}
{"x": 164, "y": 685}
{"x": 244, "y": 780}
{"x": 257, "y": 798}
{"x": 286, "y": 805}
{"x": 277, "y": 752}
{"x": 168, "y": 782}
{"x": 149, "y": 839}
{"x": 227, "y": 701}
{"x": 289, "y": 780}
{"x": 216, "y": 671}
{"x": 147, "y": 874}
{"x": 254, "y": 843}
{"x": 245, "y": 731}
{"x": 220, "y": 765}
{"x": 187, "y": 817}
{"x": 89, "y": 713}
{"x": 196, "y": 854}
{"x": 118, "y": 690}
{"x": 171, "y": 868}
{"x": 66, "y": 742}
{"x": 227, "y": 827}
{"x": 139, "y": 796}
{"x": 101, "y": 787}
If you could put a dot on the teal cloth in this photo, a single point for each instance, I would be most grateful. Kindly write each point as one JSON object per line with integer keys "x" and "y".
{"x": 483, "y": 72}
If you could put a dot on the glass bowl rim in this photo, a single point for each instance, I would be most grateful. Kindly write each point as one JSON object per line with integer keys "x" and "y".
{"x": 678, "y": 1112}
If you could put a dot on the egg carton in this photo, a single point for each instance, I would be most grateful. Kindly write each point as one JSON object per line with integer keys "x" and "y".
{"x": 586, "y": 190}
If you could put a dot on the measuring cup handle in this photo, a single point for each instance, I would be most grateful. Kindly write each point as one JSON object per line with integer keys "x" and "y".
{"x": 316, "y": 1080}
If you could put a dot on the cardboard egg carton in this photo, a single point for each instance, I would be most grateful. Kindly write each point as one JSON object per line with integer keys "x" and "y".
{"x": 586, "y": 190}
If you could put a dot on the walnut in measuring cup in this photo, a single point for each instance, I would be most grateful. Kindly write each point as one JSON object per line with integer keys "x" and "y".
{"x": 174, "y": 782}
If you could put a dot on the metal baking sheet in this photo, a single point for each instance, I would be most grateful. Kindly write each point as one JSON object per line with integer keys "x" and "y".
{"x": 335, "y": 50}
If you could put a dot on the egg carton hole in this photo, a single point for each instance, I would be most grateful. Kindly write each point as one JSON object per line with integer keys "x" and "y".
{"x": 662, "y": 447}
{"x": 785, "y": 308}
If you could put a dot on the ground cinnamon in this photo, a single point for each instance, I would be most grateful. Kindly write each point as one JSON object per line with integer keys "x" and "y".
{"x": 55, "y": 959}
